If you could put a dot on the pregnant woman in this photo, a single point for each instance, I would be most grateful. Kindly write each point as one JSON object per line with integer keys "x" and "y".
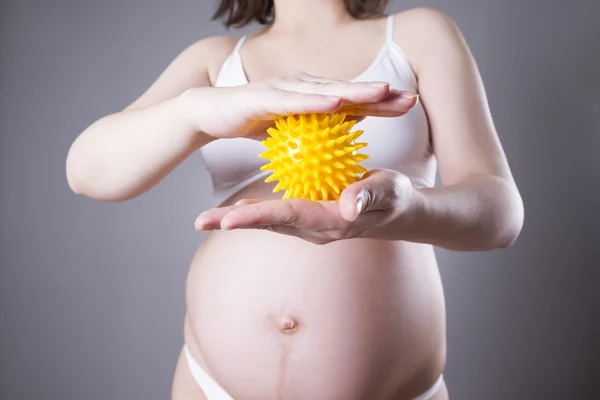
{"x": 331, "y": 300}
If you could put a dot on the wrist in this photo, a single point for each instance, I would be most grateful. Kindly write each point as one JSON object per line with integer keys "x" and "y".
{"x": 192, "y": 110}
{"x": 409, "y": 214}
{"x": 416, "y": 209}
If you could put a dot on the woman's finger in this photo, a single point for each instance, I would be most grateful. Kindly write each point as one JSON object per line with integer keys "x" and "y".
{"x": 365, "y": 112}
{"x": 354, "y": 117}
{"x": 302, "y": 214}
{"x": 211, "y": 219}
{"x": 395, "y": 105}
{"x": 244, "y": 202}
{"x": 351, "y": 92}
{"x": 303, "y": 76}
{"x": 312, "y": 237}
{"x": 279, "y": 102}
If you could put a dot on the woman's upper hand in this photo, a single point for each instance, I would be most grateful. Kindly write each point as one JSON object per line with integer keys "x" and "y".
{"x": 246, "y": 110}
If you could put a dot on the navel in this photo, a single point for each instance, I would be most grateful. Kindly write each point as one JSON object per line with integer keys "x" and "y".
{"x": 288, "y": 324}
{"x": 285, "y": 327}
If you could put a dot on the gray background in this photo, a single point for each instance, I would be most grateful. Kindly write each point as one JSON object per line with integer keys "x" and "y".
{"x": 92, "y": 295}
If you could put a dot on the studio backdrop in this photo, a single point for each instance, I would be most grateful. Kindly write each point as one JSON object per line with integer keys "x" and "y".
{"x": 92, "y": 294}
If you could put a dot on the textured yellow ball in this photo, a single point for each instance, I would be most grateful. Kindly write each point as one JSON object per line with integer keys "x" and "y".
{"x": 313, "y": 156}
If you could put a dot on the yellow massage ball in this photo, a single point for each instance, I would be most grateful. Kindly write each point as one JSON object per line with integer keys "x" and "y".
{"x": 313, "y": 156}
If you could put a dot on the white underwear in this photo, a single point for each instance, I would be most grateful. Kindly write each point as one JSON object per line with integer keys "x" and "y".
{"x": 213, "y": 391}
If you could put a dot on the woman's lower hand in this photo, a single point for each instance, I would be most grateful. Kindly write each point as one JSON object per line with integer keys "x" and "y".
{"x": 247, "y": 110}
{"x": 365, "y": 209}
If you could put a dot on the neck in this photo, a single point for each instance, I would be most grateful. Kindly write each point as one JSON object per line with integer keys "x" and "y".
{"x": 300, "y": 15}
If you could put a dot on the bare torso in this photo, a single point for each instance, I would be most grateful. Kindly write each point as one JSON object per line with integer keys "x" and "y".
{"x": 274, "y": 317}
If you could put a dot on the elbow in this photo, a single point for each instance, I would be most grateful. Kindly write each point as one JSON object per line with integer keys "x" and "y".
{"x": 509, "y": 237}
{"x": 91, "y": 173}
{"x": 510, "y": 219}
{"x": 84, "y": 187}
{"x": 75, "y": 185}
{"x": 79, "y": 185}
{"x": 84, "y": 178}
{"x": 76, "y": 176}
{"x": 76, "y": 173}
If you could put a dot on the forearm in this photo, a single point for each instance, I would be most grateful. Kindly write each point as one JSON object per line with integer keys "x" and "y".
{"x": 125, "y": 154}
{"x": 481, "y": 213}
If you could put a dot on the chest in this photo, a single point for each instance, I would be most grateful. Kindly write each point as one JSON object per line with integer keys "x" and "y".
{"x": 401, "y": 144}
{"x": 342, "y": 53}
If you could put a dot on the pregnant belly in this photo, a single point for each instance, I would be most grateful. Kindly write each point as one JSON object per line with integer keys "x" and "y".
{"x": 274, "y": 317}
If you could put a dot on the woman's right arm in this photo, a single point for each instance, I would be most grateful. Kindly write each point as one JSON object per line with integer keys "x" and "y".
{"x": 122, "y": 155}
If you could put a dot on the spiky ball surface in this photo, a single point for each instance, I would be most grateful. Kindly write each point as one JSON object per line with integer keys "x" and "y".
{"x": 313, "y": 156}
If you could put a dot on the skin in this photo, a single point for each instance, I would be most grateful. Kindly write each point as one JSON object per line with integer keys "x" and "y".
{"x": 362, "y": 315}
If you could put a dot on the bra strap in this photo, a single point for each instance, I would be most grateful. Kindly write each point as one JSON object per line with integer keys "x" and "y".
{"x": 390, "y": 28}
{"x": 239, "y": 44}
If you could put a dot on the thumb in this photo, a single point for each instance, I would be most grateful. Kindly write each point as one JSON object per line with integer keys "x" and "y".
{"x": 375, "y": 191}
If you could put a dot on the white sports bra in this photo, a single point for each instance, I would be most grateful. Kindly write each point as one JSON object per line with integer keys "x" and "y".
{"x": 401, "y": 144}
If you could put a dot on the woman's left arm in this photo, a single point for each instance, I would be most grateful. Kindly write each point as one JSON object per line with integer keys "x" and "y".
{"x": 477, "y": 208}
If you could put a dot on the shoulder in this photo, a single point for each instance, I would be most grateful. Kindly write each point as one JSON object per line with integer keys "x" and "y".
{"x": 425, "y": 32}
{"x": 211, "y": 52}
{"x": 217, "y": 44}
{"x": 425, "y": 21}
{"x": 196, "y": 65}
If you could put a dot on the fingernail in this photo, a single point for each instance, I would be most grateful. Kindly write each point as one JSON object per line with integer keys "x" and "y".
{"x": 409, "y": 95}
{"x": 379, "y": 84}
{"x": 334, "y": 99}
{"x": 360, "y": 204}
